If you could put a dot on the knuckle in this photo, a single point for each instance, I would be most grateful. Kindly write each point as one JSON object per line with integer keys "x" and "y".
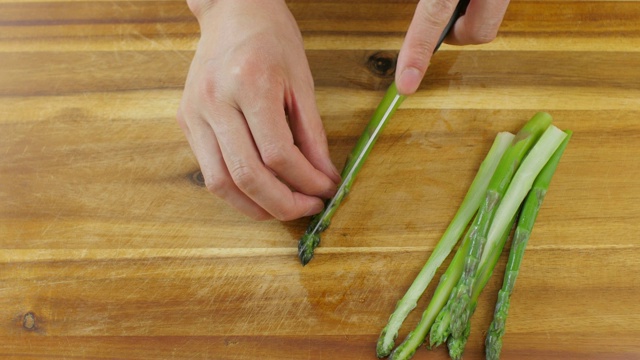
{"x": 438, "y": 11}
{"x": 419, "y": 54}
{"x": 216, "y": 184}
{"x": 253, "y": 71}
{"x": 244, "y": 177}
{"x": 182, "y": 121}
{"x": 208, "y": 85}
{"x": 247, "y": 67}
{"x": 274, "y": 156}
{"x": 185, "y": 116}
{"x": 483, "y": 36}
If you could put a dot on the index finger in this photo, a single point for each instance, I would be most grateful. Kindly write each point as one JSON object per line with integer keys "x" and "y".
{"x": 428, "y": 23}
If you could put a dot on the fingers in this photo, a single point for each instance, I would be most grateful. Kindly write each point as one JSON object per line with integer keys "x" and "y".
{"x": 214, "y": 171}
{"x": 308, "y": 131}
{"x": 429, "y": 20}
{"x": 248, "y": 172}
{"x": 237, "y": 90}
{"x": 274, "y": 140}
{"x": 480, "y": 23}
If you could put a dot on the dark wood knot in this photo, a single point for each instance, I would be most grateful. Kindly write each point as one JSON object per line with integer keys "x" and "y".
{"x": 383, "y": 63}
{"x": 198, "y": 179}
{"x": 29, "y": 321}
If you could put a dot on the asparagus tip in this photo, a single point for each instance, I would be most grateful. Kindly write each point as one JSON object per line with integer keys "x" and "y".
{"x": 307, "y": 244}
{"x": 493, "y": 346}
{"x": 455, "y": 348}
{"x": 460, "y": 314}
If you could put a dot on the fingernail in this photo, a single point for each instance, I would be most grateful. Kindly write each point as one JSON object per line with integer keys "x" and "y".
{"x": 329, "y": 193}
{"x": 409, "y": 80}
{"x": 316, "y": 208}
{"x": 336, "y": 173}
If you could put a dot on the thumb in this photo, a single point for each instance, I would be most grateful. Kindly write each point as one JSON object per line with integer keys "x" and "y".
{"x": 429, "y": 20}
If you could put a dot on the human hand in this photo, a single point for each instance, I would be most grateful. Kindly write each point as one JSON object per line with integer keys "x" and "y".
{"x": 478, "y": 25}
{"x": 248, "y": 111}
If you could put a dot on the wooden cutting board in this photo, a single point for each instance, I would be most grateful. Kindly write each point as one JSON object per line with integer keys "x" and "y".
{"x": 113, "y": 248}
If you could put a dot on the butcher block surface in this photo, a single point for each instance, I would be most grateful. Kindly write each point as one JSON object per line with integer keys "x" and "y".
{"x": 112, "y": 247}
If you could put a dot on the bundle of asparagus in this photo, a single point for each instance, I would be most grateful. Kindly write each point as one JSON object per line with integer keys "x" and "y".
{"x": 508, "y": 190}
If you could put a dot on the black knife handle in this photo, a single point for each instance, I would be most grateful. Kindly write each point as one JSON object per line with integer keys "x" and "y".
{"x": 459, "y": 11}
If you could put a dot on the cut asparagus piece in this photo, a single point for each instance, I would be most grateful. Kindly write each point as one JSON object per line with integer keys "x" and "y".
{"x": 526, "y": 221}
{"x": 452, "y": 234}
{"x": 515, "y": 194}
{"x": 447, "y": 281}
{"x": 522, "y": 143}
{"x": 311, "y": 238}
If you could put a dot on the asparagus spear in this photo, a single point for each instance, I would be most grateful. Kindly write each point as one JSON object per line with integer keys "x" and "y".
{"x": 441, "y": 328}
{"x": 527, "y": 218}
{"x": 518, "y": 189}
{"x": 469, "y": 206}
{"x": 447, "y": 281}
{"x": 501, "y": 179}
{"x": 521, "y": 144}
{"x": 311, "y": 238}
{"x": 456, "y": 344}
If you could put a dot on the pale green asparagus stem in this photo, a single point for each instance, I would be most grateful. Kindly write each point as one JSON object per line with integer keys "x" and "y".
{"x": 526, "y": 221}
{"x": 447, "y": 281}
{"x": 311, "y": 238}
{"x": 518, "y": 189}
{"x": 469, "y": 206}
{"x": 522, "y": 143}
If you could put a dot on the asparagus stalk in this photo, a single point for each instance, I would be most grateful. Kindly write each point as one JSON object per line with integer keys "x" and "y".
{"x": 441, "y": 328}
{"x": 452, "y": 234}
{"x": 518, "y": 189}
{"x": 447, "y": 281}
{"x": 526, "y": 221}
{"x": 456, "y": 344}
{"x": 522, "y": 143}
{"x": 311, "y": 238}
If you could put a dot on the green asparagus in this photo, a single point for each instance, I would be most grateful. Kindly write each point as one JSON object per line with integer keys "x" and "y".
{"x": 447, "y": 281}
{"x": 311, "y": 238}
{"x": 518, "y": 189}
{"x": 526, "y": 221}
{"x": 450, "y": 237}
{"x": 456, "y": 344}
{"x": 522, "y": 143}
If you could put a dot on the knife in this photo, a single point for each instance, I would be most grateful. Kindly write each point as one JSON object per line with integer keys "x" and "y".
{"x": 390, "y": 102}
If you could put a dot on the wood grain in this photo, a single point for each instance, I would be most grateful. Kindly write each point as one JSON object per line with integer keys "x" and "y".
{"x": 112, "y": 247}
